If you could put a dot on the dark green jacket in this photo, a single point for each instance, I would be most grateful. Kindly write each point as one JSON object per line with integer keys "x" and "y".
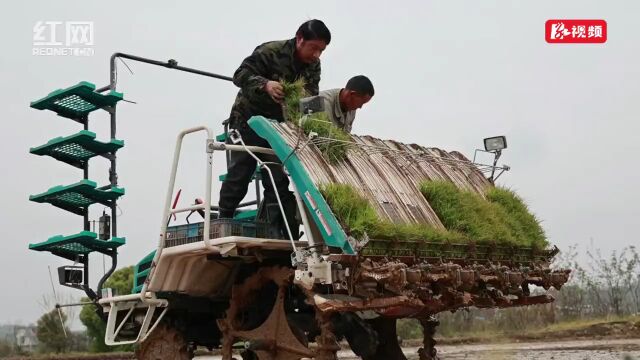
{"x": 276, "y": 61}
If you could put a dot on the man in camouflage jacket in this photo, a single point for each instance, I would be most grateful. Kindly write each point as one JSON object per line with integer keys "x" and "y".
{"x": 261, "y": 93}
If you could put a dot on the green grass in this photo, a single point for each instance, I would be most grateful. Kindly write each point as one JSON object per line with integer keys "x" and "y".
{"x": 581, "y": 324}
{"x": 318, "y": 123}
{"x": 502, "y": 217}
{"x": 491, "y": 332}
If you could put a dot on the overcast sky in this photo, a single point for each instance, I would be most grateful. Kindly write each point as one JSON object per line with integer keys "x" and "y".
{"x": 447, "y": 74}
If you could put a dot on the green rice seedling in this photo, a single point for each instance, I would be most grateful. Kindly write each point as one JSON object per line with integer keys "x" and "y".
{"x": 521, "y": 221}
{"x": 502, "y": 217}
{"x": 320, "y": 124}
{"x": 353, "y": 211}
{"x": 357, "y": 216}
{"x": 332, "y": 141}
{"x": 293, "y": 92}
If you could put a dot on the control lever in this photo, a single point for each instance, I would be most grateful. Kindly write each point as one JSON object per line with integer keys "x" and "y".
{"x": 197, "y": 201}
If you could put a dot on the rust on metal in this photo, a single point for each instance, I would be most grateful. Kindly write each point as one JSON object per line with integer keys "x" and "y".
{"x": 396, "y": 289}
{"x": 428, "y": 351}
{"x": 327, "y": 343}
{"x": 273, "y": 339}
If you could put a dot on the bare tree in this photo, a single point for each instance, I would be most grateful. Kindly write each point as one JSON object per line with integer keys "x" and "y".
{"x": 571, "y": 302}
{"x": 614, "y": 277}
{"x": 634, "y": 279}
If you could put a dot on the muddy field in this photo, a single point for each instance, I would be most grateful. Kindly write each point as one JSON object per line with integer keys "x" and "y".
{"x": 565, "y": 350}
{"x": 617, "y": 349}
{"x": 627, "y": 349}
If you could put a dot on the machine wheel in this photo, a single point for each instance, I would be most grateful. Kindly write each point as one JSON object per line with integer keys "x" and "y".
{"x": 257, "y": 316}
{"x": 164, "y": 343}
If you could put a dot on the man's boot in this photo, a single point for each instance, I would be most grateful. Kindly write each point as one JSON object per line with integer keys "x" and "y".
{"x": 225, "y": 214}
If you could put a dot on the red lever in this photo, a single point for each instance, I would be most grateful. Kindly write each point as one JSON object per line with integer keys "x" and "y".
{"x": 175, "y": 202}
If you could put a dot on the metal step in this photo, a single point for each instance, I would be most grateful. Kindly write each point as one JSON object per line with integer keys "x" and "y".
{"x": 76, "y": 198}
{"x": 141, "y": 271}
{"x": 77, "y": 101}
{"x": 76, "y": 149}
{"x": 85, "y": 242}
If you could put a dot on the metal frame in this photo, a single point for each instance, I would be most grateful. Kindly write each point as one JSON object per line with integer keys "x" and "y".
{"x": 167, "y": 212}
{"x": 147, "y": 299}
{"x": 113, "y": 78}
{"x": 491, "y": 168}
{"x": 237, "y": 138}
{"x": 131, "y": 303}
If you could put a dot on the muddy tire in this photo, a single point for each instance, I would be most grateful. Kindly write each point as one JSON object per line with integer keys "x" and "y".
{"x": 257, "y": 315}
{"x": 163, "y": 343}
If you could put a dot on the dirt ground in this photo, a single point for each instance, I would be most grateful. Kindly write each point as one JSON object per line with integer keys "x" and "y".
{"x": 626, "y": 349}
{"x": 597, "y": 340}
{"x": 623, "y": 349}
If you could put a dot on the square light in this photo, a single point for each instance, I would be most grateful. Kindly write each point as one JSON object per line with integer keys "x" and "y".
{"x": 495, "y": 143}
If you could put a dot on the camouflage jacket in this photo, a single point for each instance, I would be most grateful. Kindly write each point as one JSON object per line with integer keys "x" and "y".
{"x": 276, "y": 61}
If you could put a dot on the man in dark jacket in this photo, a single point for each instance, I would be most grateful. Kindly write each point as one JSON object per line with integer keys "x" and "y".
{"x": 261, "y": 93}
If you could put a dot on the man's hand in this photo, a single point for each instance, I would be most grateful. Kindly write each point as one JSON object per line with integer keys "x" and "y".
{"x": 274, "y": 89}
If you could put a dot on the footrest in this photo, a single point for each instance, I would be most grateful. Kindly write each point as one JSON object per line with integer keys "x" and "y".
{"x": 77, "y": 197}
{"x": 85, "y": 242}
{"x": 77, "y": 101}
{"x": 76, "y": 149}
